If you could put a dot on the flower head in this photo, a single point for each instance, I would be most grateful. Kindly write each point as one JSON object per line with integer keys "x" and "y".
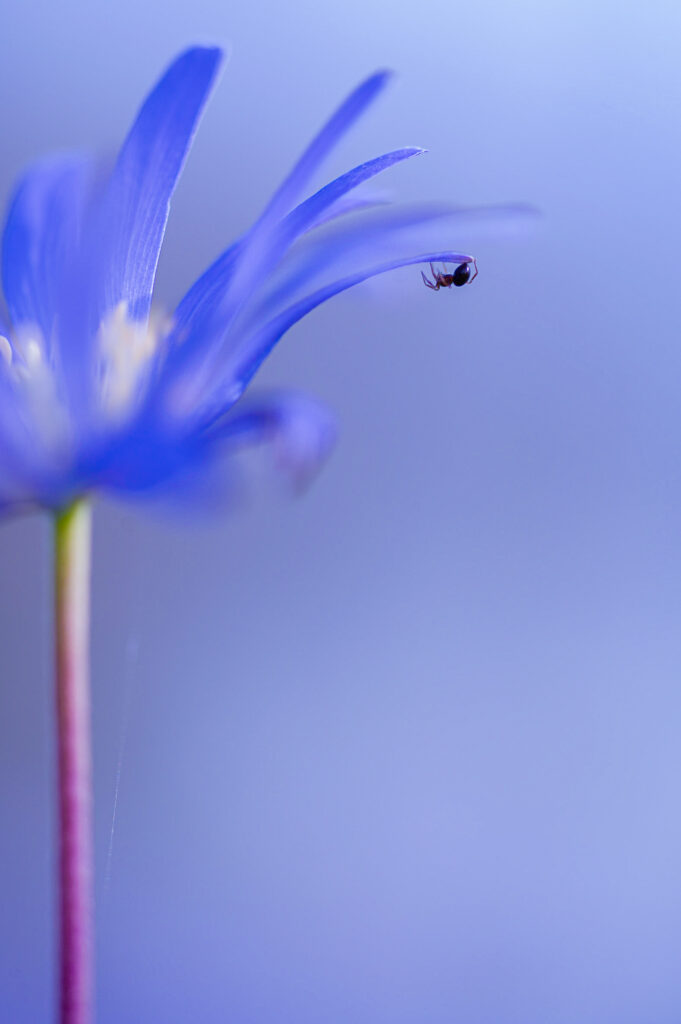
{"x": 101, "y": 393}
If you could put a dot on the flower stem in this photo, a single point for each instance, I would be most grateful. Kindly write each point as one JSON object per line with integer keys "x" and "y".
{"x": 72, "y": 541}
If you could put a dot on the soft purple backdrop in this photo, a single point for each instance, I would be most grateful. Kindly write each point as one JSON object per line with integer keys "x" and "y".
{"x": 407, "y": 751}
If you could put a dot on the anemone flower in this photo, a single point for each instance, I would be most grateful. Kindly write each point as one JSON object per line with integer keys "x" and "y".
{"x": 101, "y": 394}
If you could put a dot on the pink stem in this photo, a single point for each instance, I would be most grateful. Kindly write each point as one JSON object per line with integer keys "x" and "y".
{"x": 72, "y": 607}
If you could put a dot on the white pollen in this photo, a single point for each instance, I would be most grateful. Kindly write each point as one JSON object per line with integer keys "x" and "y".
{"x": 33, "y": 353}
{"x": 127, "y": 349}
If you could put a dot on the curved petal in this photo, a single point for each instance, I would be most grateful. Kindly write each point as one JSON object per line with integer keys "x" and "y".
{"x": 338, "y": 124}
{"x": 257, "y": 247}
{"x": 364, "y": 240}
{"x": 258, "y": 243}
{"x": 201, "y": 305}
{"x": 309, "y": 212}
{"x": 117, "y": 259}
{"x": 374, "y": 238}
{"x": 231, "y": 377}
{"x": 359, "y": 239}
{"x": 244, "y": 363}
{"x": 137, "y": 198}
{"x": 301, "y": 430}
{"x": 41, "y": 237}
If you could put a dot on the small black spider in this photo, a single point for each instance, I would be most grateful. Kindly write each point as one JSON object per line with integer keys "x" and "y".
{"x": 460, "y": 277}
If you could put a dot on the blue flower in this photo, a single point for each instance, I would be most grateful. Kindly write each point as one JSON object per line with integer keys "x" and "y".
{"x": 101, "y": 393}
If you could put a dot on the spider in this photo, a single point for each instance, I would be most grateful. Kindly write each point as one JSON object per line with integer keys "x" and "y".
{"x": 460, "y": 277}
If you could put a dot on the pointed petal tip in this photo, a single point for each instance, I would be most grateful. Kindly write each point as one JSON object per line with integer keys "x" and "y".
{"x": 374, "y": 84}
{"x": 200, "y": 51}
{"x": 208, "y": 58}
{"x": 377, "y": 81}
{"x": 134, "y": 206}
{"x": 405, "y": 153}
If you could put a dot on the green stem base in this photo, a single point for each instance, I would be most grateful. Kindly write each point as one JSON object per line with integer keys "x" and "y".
{"x": 72, "y": 543}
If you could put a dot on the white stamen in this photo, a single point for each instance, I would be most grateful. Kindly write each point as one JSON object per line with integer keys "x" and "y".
{"x": 127, "y": 348}
{"x": 5, "y": 350}
{"x": 33, "y": 353}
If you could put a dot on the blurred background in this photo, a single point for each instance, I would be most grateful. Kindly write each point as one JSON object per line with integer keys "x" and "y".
{"x": 407, "y": 749}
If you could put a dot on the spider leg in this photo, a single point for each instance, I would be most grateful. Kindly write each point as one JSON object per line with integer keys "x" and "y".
{"x": 475, "y": 274}
{"x": 437, "y": 277}
{"x": 427, "y": 283}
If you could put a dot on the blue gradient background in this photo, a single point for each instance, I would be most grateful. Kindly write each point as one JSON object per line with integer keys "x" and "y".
{"x": 406, "y": 751}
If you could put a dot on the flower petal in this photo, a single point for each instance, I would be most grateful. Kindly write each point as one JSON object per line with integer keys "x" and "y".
{"x": 257, "y": 247}
{"x": 137, "y": 199}
{"x": 342, "y": 247}
{"x": 376, "y": 238}
{"x": 231, "y": 377}
{"x": 244, "y": 363}
{"x": 41, "y": 236}
{"x": 338, "y": 124}
{"x": 255, "y": 250}
{"x": 311, "y": 210}
{"x": 201, "y": 298}
{"x": 301, "y": 430}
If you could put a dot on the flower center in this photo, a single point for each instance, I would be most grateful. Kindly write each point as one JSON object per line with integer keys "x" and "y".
{"x": 125, "y": 353}
{"x": 127, "y": 350}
